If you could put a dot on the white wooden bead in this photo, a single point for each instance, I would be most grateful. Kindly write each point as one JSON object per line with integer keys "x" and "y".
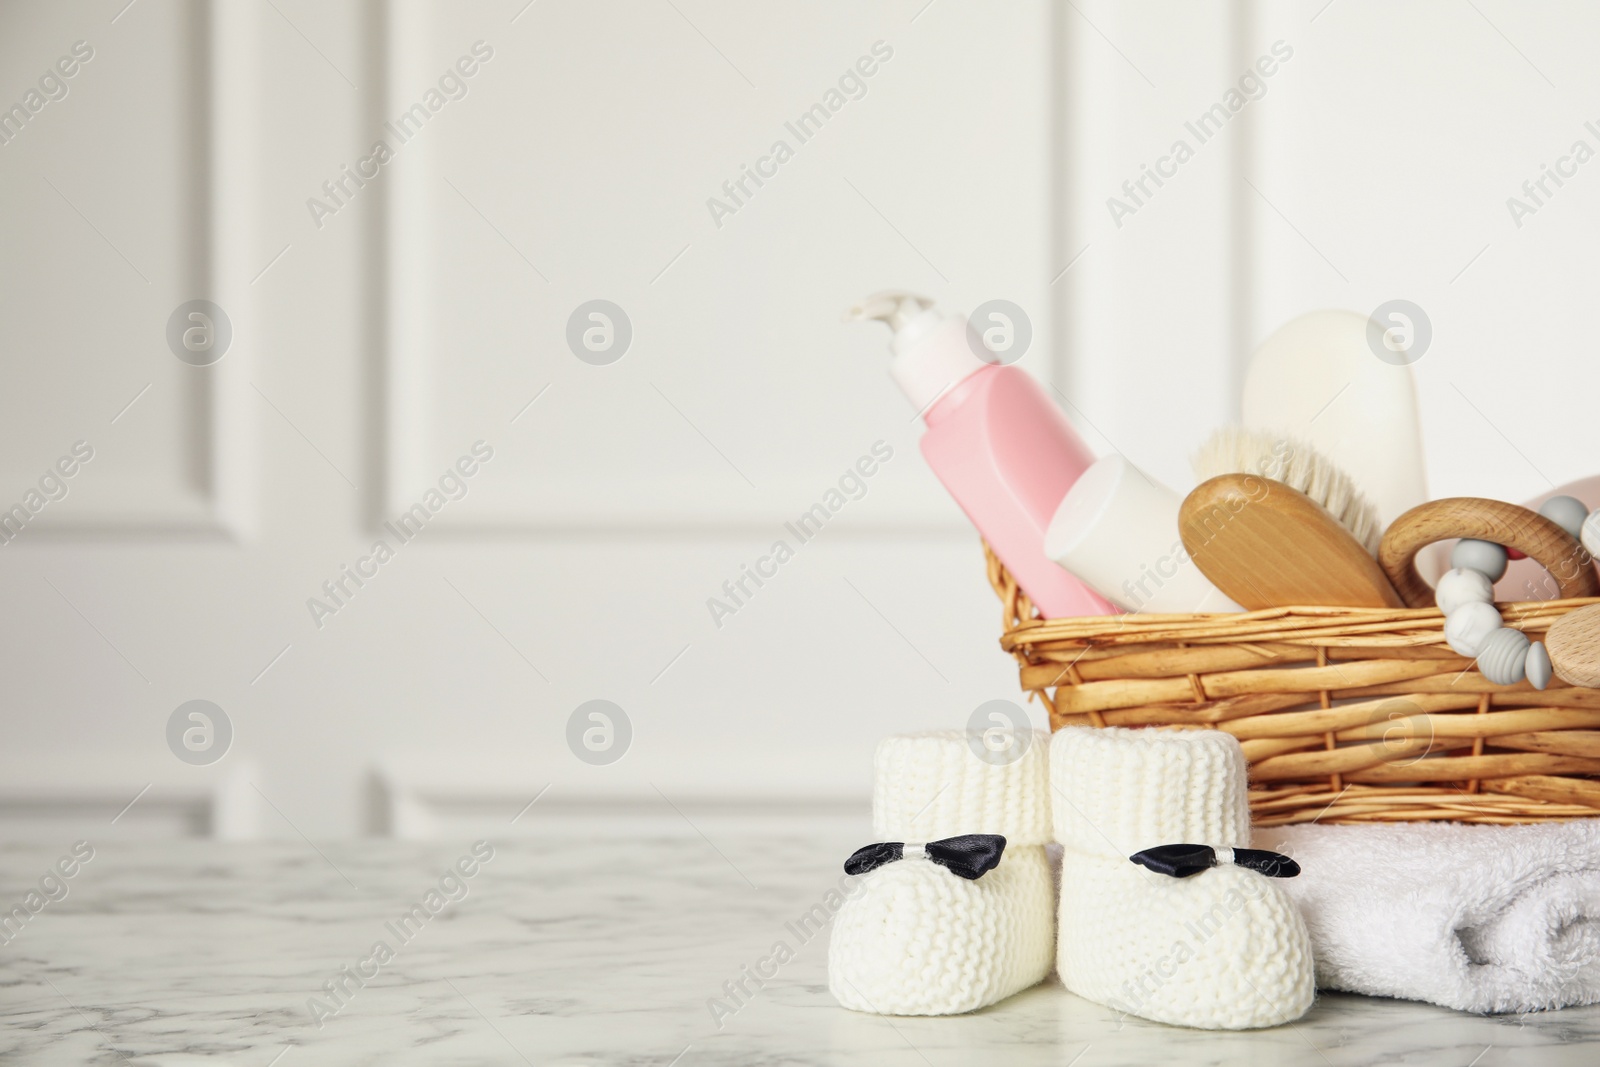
{"x": 1503, "y": 656}
{"x": 1566, "y": 512}
{"x": 1466, "y": 628}
{"x": 1485, "y": 556}
{"x": 1462, "y": 586}
{"x": 1591, "y": 533}
{"x": 1538, "y": 666}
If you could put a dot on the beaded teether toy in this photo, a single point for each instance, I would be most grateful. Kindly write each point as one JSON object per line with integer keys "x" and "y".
{"x": 1491, "y": 530}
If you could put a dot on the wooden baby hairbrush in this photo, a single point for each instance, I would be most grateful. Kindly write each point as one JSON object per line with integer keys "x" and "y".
{"x": 1232, "y": 449}
{"x": 1267, "y": 545}
{"x": 1496, "y": 521}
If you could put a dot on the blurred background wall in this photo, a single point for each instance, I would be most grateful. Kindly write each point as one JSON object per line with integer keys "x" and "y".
{"x": 387, "y": 315}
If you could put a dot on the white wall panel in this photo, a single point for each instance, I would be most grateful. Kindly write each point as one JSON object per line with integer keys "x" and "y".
{"x": 1152, "y": 301}
{"x": 1393, "y": 145}
{"x": 579, "y": 165}
{"x": 127, "y": 196}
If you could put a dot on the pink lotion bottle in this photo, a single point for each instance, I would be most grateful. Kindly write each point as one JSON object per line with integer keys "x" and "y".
{"x": 999, "y": 444}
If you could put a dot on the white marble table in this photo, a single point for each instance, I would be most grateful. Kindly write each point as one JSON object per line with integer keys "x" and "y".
{"x": 587, "y": 953}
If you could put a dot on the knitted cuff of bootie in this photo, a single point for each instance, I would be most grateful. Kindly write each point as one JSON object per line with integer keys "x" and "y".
{"x": 1117, "y": 791}
{"x": 937, "y": 922}
{"x": 936, "y": 785}
{"x": 1215, "y": 947}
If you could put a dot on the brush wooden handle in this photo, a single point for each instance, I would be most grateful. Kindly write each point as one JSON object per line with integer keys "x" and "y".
{"x": 1487, "y": 520}
{"x": 1267, "y": 545}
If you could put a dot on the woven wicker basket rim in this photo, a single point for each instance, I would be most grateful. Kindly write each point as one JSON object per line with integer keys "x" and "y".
{"x": 1307, "y": 625}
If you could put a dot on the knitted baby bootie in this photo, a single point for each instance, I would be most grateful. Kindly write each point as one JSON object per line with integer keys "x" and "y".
{"x": 1210, "y": 944}
{"x": 954, "y": 908}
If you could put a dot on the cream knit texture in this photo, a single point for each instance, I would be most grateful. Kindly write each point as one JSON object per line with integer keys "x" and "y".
{"x": 1129, "y": 790}
{"x": 931, "y": 786}
{"x": 917, "y": 939}
{"x": 1222, "y": 950}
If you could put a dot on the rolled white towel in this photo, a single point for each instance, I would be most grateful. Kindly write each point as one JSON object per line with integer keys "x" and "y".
{"x": 1478, "y": 918}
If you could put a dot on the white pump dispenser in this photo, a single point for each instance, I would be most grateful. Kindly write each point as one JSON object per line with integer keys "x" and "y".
{"x": 932, "y": 350}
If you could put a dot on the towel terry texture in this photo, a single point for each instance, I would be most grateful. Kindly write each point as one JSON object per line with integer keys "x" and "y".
{"x": 1477, "y": 918}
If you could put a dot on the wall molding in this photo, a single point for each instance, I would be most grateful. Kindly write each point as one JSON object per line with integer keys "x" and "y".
{"x": 1110, "y": 121}
{"x": 44, "y": 795}
{"x": 433, "y": 795}
{"x": 234, "y": 135}
{"x": 221, "y": 261}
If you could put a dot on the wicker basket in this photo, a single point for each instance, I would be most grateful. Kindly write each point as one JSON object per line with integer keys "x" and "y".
{"x": 1345, "y": 714}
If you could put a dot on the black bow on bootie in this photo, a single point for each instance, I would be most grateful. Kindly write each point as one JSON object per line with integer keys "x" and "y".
{"x": 1181, "y": 861}
{"x": 970, "y": 855}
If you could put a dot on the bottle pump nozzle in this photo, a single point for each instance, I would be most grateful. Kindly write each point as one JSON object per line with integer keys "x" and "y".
{"x": 909, "y": 315}
{"x": 896, "y": 307}
{"x": 931, "y": 350}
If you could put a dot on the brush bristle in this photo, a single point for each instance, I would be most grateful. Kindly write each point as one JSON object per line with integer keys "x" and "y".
{"x": 1234, "y": 450}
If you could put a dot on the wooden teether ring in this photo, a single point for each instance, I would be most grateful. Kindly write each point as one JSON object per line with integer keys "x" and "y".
{"x": 1487, "y": 520}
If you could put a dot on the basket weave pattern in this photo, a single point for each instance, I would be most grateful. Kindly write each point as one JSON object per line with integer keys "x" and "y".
{"x": 1345, "y": 714}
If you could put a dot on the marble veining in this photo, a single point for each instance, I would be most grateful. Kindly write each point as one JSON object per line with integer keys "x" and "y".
{"x": 568, "y": 952}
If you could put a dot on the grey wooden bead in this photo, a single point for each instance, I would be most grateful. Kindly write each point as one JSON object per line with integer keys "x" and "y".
{"x": 1538, "y": 666}
{"x": 1484, "y": 556}
{"x": 1504, "y": 655}
{"x": 1566, "y": 512}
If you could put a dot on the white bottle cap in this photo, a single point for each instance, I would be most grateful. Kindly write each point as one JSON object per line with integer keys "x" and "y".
{"x": 932, "y": 351}
{"x": 1117, "y": 532}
